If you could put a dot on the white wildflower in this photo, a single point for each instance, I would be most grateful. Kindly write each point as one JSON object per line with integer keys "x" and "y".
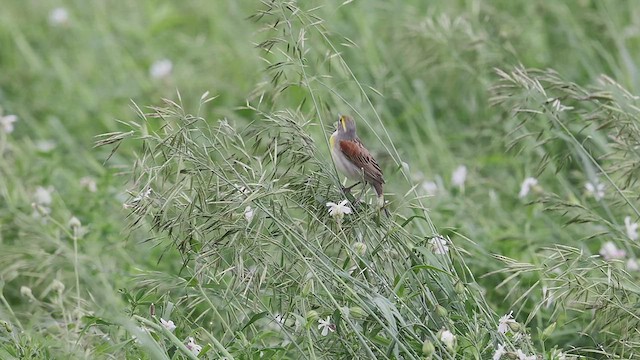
{"x": 143, "y": 195}
{"x": 526, "y": 186}
{"x": 459, "y": 176}
{"x": 632, "y": 228}
{"x": 195, "y": 348}
{"x": 430, "y": 187}
{"x": 439, "y": 245}
{"x": 161, "y": 69}
{"x": 45, "y": 146}
{"x": 59, "y": 16}
{"x": 632, "y": 265}
{"x": 326, "y": 326}
{"x": 168, "y": 324}
{"x": 89, "y": 183}
{"x": 279, "y": 318}
{"x": 609, "y": 251}
{"x": 503, "y": 323}
{"x": 595, "y": 189}
{"x": 558, "y": 355}
{"x": 74, "y": 223}
{"x": 6, "y": 123}
{"x": 522, "y": 356}
{"x": 448, "y": 338}
{"x": 58, "y": 286}
{"x": 26, "y": 292}
{"x": 248, "y": 213}
{"x": 338, "y": 210}
{"x": 520, "y": 337}
{"x": 42, "y": 196}
{"x": 499, "y": 352}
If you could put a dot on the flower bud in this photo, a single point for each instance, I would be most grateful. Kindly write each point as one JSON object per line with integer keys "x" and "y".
{"x": 515, "y": 327}
{"x": 312, "y": 316}
{"x": 307, "y": 288}
{"x": 428, "y": 348}
{"x": 548, "y": 331}
{"x": 74, "y": 223}
{"x": 357, "y": 312}
{"x": 57, "y": 286}
{"x": 459, "y": 287}
{"x": 360, "y": 248}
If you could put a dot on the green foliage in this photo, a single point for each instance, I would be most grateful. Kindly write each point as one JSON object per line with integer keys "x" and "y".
{"x": 211, "y": 210}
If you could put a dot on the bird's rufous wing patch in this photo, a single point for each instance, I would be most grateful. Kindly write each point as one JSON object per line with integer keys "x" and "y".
{"x": 360, "y": 156}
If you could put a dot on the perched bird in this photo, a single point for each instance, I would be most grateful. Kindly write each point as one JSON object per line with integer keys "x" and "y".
{"x": 353, "y": 159}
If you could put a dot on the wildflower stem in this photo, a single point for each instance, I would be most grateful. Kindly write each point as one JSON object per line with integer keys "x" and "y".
{"x": 75, "y": 264}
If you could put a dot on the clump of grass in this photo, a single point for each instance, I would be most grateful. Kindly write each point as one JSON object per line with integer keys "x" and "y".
{"x": 584, "y": 135}
{"x": 265, "y": 268}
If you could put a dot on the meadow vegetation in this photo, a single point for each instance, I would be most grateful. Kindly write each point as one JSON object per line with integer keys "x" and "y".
{"x": 167, "y": 191}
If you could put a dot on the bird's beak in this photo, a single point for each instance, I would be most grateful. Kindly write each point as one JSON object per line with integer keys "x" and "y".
{"x": 343, "y": 123}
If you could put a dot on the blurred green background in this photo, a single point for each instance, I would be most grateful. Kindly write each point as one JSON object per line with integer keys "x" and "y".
{"x": 417, "y": 75}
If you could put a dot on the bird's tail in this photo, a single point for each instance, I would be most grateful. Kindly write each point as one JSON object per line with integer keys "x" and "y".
{"x": 378, "y": 188}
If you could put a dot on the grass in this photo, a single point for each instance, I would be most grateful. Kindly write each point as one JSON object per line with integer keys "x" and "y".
{"x": 211, "y": 182}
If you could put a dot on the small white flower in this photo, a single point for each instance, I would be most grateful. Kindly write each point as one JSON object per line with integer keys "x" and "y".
{"x": 558, "y": 355}
{"x": 58, "y": 16}
{"x": 89, "y": 183}
{"x": 632, "y": 228}
{"x": 338, "y": 210}
{"x": 58, "y": 286}
{"x": 195, "y": 348}
{"x": 527, "y": 184}
{"x": 448, "y": 338}
{"x": 26, "y": 292}
{"x": 609, "y": 251}
{"x": 499, "y": 352}
{"x": 405, "y": 167}
{"x": 161, "y": 69}
{"x": 42, "y": 196}
{"x": 326, "y": 326}
{"x": 248, "y": 213}
{"x": 503, "y": 323}
{"x": 595, "y": 189}
{"x": 45, "y": 146}
{"x": 6, "y": 123}
{"x": 168, "y": 324}
{"x": 459, "y": 176}
{"x": 522, "y": 356}
{"x": 632, "y": 265}
{"x": 430, "y": 187}
{"x": 279, "y": 318}
{"x": 439, "y": 245}
{"x": 143, "y": 195}
{"x": 74, "y": 223}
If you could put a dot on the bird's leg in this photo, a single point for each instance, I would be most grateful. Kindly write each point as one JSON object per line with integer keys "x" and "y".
{"x": 347, "y": 190}
{"x": 364, "y": 188}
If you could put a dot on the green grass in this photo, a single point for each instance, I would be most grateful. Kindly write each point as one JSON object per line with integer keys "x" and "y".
{"x": 243, "y": 120}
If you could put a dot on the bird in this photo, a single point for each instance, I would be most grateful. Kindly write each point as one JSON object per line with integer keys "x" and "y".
{"x": 353, "y": 159}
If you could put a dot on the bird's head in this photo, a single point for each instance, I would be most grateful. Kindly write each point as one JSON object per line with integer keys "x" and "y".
{"x": 346, "y": 125}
